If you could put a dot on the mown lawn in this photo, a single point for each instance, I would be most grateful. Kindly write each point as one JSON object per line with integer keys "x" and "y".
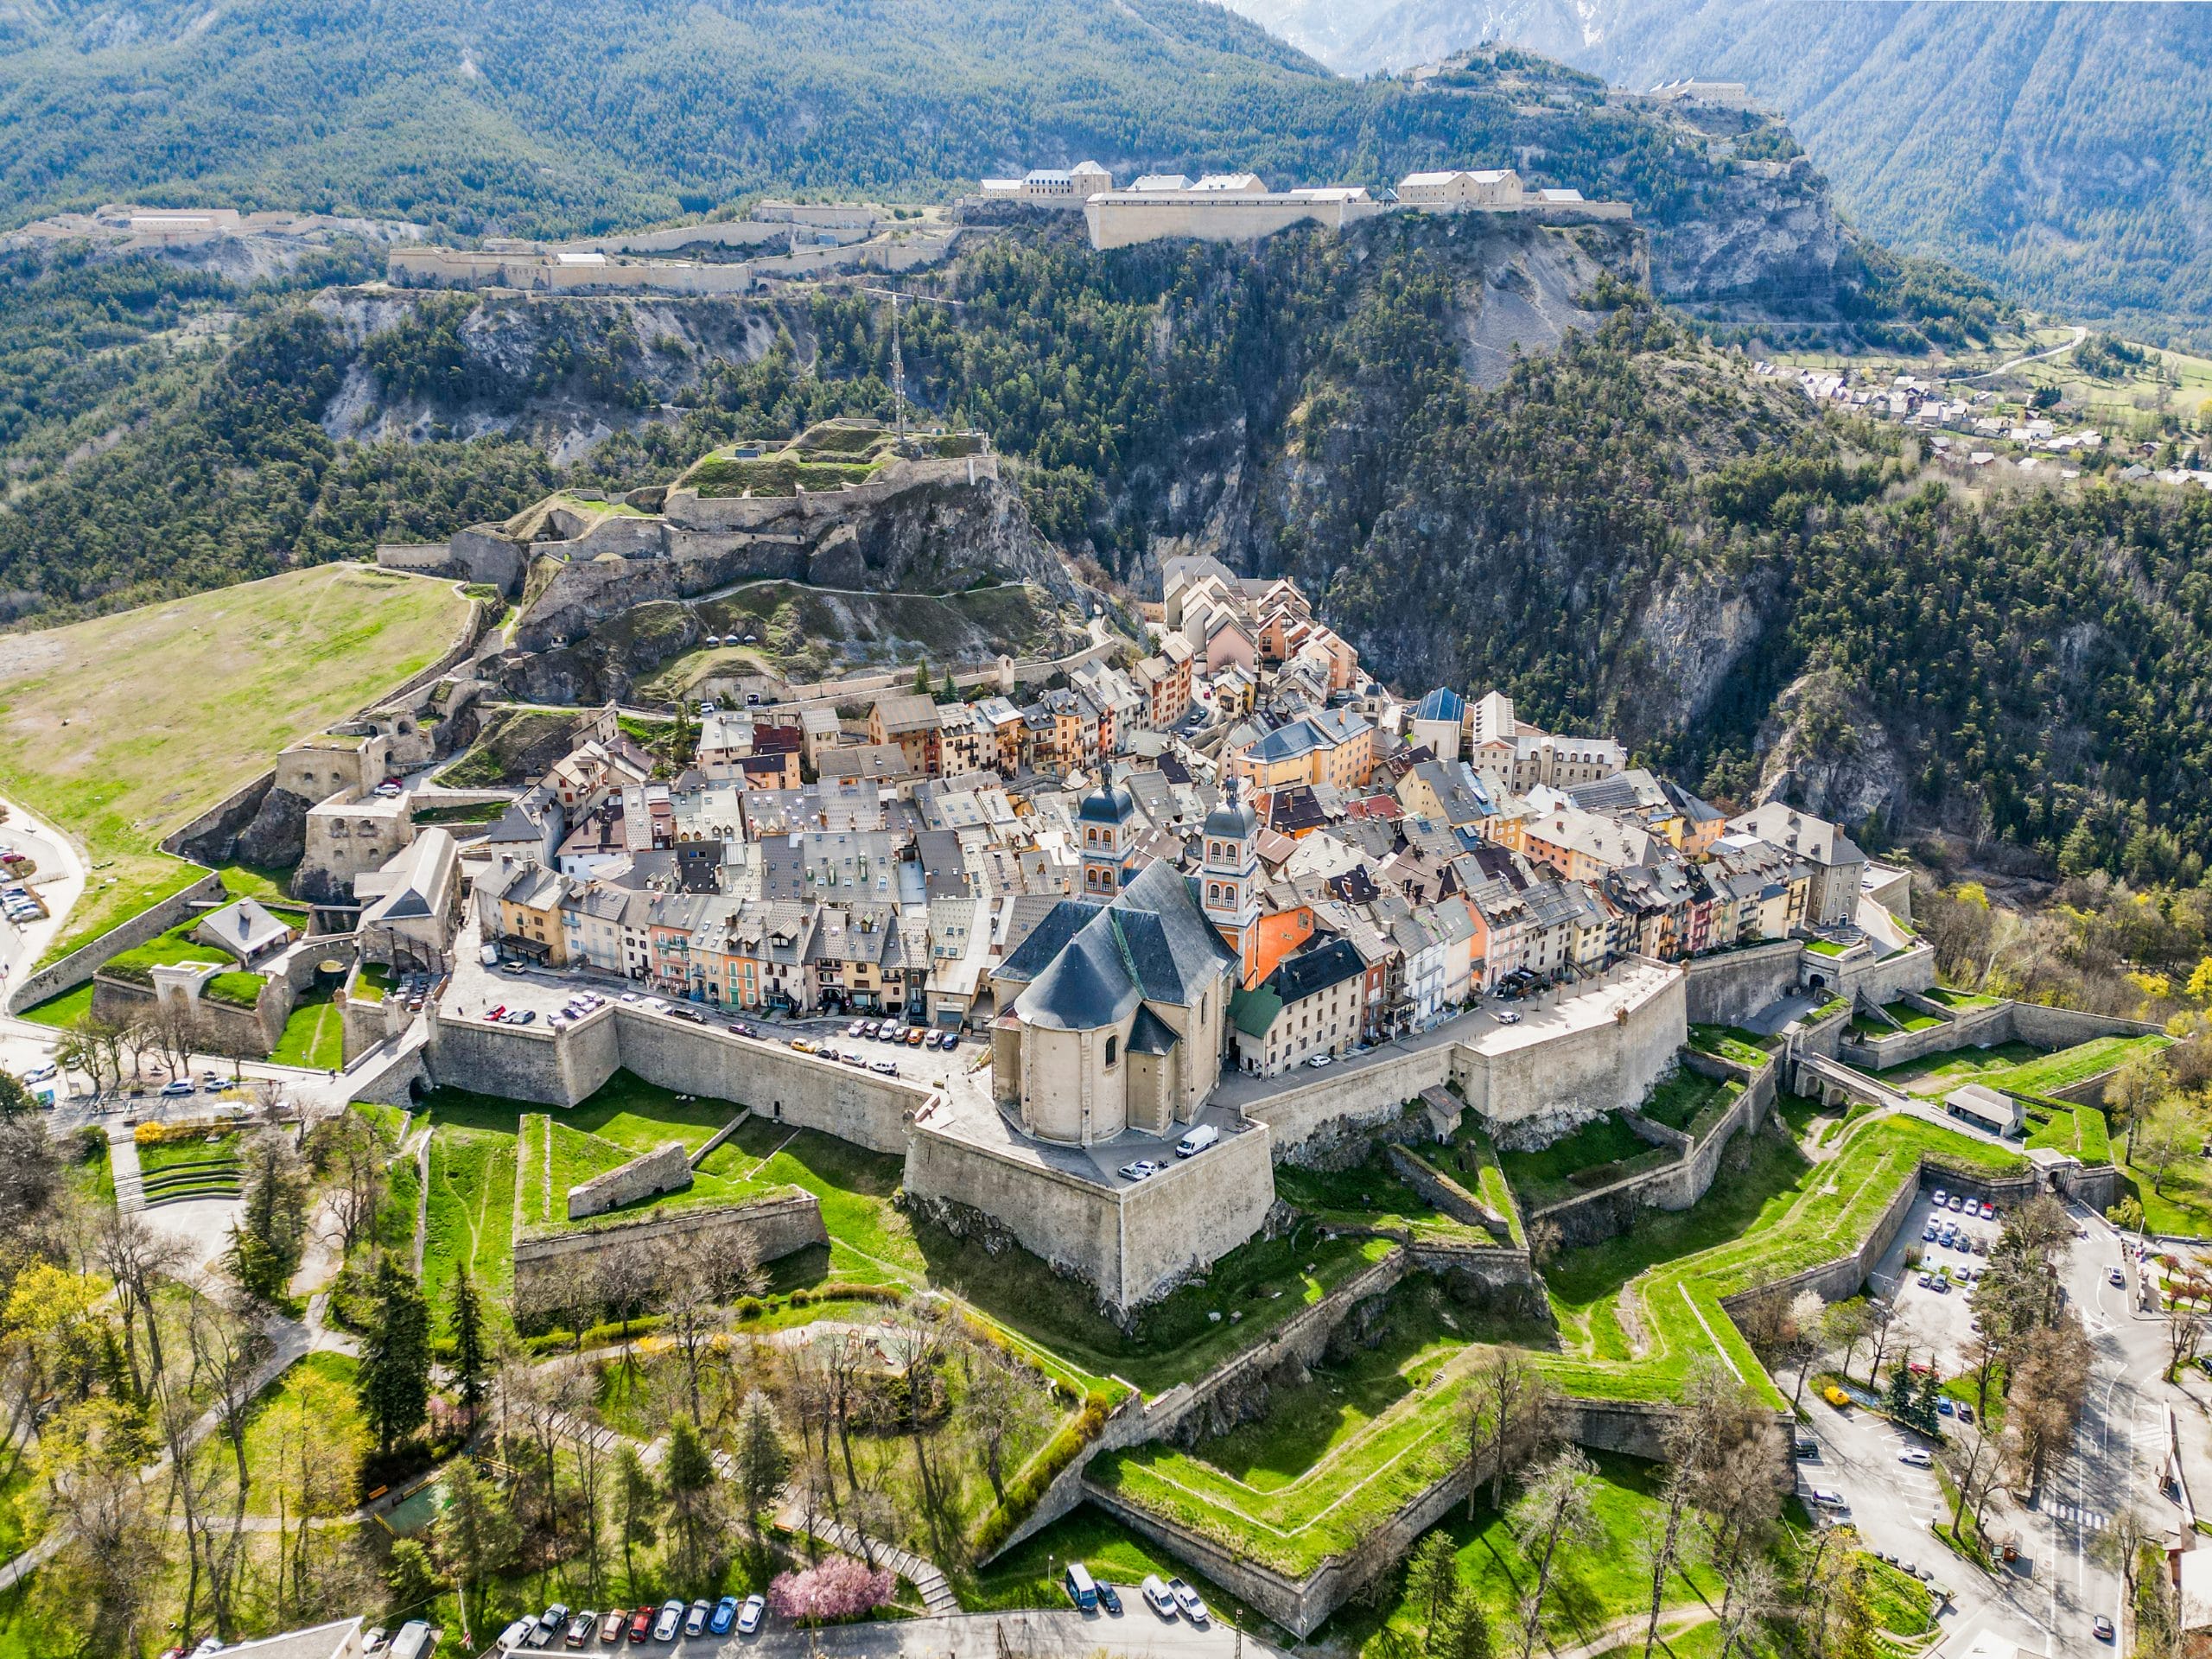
{"x": 63, "y": 1011}
{"x": 241, "y": 671}
{"x": 314, "y": 1035}
{"x": 1591, "y": 1586}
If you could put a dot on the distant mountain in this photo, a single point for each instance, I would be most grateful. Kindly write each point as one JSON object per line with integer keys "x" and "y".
{"x": 2063, "y": 151}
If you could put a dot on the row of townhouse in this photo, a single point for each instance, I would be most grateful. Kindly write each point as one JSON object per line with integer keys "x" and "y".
{"x": 793, "y": 955}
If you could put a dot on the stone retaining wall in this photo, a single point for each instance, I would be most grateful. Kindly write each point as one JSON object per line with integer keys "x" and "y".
{"x": 1591, "y": 1217}
{"x": 1446, "y": 1194}
{"x": 666, "y": 1168}
{"x": 551, "y": 1268}
{"x": 1726, "y": 989}
{"x": 544, "y": 1068}
{"x": 1132, "y": 1243}
{"x": 76, "y": 967}
{"x": 2006, "y": 1022}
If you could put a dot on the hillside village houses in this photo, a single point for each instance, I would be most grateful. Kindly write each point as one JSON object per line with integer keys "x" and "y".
{"x": 1361, "y": 865}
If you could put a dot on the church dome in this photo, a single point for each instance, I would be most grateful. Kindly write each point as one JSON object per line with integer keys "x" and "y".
{"x": 1109, "y": 802}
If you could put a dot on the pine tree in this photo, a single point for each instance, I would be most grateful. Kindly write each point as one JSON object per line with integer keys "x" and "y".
{"x": 393, "y": 1380}
{"x": 764, "y": 1462}
{"x": 471, "y": 1363}
{"x": 637, "y": 1509}
{"x": 690, "y": 1474}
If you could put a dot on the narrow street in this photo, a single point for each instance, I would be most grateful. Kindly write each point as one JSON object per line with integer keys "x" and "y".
{"x": 2046, "y": 1601}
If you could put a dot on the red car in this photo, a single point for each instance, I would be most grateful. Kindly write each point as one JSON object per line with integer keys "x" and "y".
{"x": 641, "y": 1623}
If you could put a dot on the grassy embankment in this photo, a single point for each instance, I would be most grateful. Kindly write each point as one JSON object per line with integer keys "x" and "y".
{"x": 122, "y": 728}
{"x": 873, "y": 1240}
{"x": 1665, "y": 1280}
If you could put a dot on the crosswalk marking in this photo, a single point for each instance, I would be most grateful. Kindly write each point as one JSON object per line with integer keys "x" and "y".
{"x": 2091, "y": 1520}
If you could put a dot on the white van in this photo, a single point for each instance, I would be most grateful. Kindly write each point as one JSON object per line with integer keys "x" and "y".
{"x": 1197, "y": 1141}
{"x": 413, "y": 1640}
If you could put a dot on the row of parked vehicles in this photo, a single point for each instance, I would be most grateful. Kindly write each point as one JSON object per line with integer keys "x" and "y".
{"x": 1167, "y": 1598}
{"x": 576, "y": 1628}
{"x": 22, "y": 904}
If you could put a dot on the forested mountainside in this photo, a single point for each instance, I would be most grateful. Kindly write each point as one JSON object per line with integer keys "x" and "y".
{"x": 2059, "y": 150}
{"x": 1486, "y": 452}
{"x": 526, "y": 117}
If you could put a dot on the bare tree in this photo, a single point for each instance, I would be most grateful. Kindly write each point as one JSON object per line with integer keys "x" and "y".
{"x": 1501, "y": 1420}
{"x": 2185, "y": 1334}
{"x": 2050, "y": 1384}
{"x": 136, "y": 1260}
{"x": 1845, "y": 1326}
{"x": 1558, "y": 1508}
{"x": 1751, "y": 1595}
{"x": 348, "y": 1148}
{"x": 993, "y": 1409}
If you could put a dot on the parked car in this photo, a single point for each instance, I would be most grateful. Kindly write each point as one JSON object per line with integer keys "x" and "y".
{"x": 858, "y": 1029}
{"x": 692, "y": 1015}
{"x": 641, "y": 1623}
{"x": 2118, "y": 1278}
{"x": 1082, "y": 1588}
{"x": 1828, "y": 1497}
{"x": 748, "y": 1620}
{"x": 1109, "y": 1599}
{"x": 725, "y": 1616}
{"x": 1808, "y": 1450}
{"x": 1939, "y": 1196}
{"x": 1988, "y": 1211}
{"x": 1510, "y": 1017}
{"x": 801, "y": 1045}
{"x": 1187, "y": 1599}
{"x": 888, "y": 1068}
{"x": 517, "y": 1635}
{"x": 1917, "y": 1456}
{"x": 2102, "y": 1626}
{"x": 549, "y": 1623}
{"x": 182, "y": 1086}
{"x": 695, "y": 1622}
{"x": 579, "y": 1631}
{"x": 855, "y": 1058}
{"x": 1142, "y": 1169}
{"x": 610, "y": 1625}
{"x": 1197, "y": 1141}
{"x": 1158, "y": 1596}
{"x": 1318, "y": 1061}
{"x": 672, "y": 1615}
{"x": 914, "y": 1035}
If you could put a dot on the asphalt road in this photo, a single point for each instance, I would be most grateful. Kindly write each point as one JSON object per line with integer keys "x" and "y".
{"x": 2045, "y": 1604}
{"x": 1138, "y": 1634}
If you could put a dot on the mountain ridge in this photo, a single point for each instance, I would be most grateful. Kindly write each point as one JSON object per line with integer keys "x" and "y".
{"x": 2058, "y": 150}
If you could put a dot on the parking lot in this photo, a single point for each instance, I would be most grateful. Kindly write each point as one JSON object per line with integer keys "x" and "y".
{"x": 546, "y": 995}
{"x": 1939, "y": 1310}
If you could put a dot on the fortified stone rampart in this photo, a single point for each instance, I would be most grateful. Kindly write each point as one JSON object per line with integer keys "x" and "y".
{"x": 2005, "y": 1022}
{"x": 1591, "y": 1217}
{"x": 154, "y": 920}
{"x": 1132, "y": 1244}
{"x": 1726, "y": 989}
{"x": 666, "y": 1168}
{"x": 548, "y": 1068}
{"x": 1581, "y": 1073}
{"x": 552, "y": 1270}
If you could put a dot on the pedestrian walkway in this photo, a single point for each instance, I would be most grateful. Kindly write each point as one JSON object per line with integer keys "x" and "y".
{"x": 123, "y": 1162}
{"x": 925, "y": 1576}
